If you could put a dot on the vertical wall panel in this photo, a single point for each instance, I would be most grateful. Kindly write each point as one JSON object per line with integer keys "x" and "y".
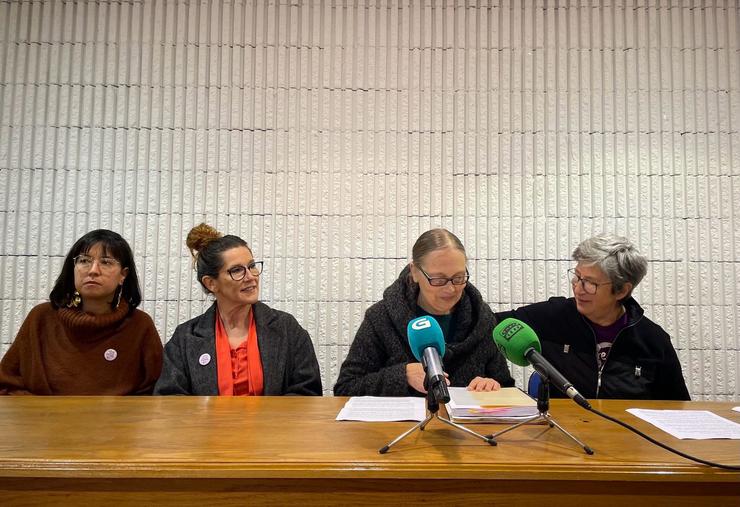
{"x": 330, "y": 134}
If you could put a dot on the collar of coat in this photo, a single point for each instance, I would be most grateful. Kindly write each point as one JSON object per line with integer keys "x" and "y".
{"x": 475, "y": 320}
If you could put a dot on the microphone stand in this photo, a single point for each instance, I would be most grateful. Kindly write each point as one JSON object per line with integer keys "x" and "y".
{"x": 543, "y": 406}
{"x": 432, "y": 413}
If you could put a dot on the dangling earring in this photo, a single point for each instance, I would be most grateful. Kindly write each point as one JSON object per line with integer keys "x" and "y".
{"x": 118, "y": 299}
{"x": 75, "y": 300}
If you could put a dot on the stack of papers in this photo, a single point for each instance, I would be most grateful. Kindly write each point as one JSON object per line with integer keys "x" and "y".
{"x": 690, "y": 424}
{"x": 508, "y": 404}
{"x": 378, "y": 408}
{"x": 505, "y": 405}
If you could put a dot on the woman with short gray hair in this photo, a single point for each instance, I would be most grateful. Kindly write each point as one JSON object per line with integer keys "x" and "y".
{"x": 600, "y": 338}
{"x": 616, "y": 256}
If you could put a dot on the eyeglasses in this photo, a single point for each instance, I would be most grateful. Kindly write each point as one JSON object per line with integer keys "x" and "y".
{"x": 237, "y": 273}
{"x": 589, "y": 287}
{"x": 85, "y": 263}
{"x": 442, "y": 281}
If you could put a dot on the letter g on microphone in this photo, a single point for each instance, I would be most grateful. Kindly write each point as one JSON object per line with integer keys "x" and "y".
{"x": 422, "y": 323}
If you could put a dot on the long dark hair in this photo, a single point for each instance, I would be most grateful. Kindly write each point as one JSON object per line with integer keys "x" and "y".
{"x": 113, "y": 245}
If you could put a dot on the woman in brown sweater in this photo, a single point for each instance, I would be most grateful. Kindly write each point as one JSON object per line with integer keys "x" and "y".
{"x": 89, "y": 338}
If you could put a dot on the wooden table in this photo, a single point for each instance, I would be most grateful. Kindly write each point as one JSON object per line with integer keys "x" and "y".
{"x": 203, "y": 450}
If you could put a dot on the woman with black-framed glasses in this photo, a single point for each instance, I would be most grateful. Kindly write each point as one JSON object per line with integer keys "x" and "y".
{"x": 600, "y": 338}
{"x": 435, "y": 283}
{"x": 239, "y": 346}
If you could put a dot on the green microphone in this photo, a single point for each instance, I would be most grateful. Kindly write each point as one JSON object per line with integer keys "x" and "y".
{"x": 519, "y": 343}
{"x": 515, "y": 338}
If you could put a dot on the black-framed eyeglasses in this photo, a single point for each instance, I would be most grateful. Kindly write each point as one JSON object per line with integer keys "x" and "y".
{"x": 589, "y": 287}
{"x": 442, "y": 281}
{"x": 237, "y": 273}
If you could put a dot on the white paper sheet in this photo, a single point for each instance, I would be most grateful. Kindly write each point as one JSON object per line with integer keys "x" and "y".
{"x": 378, "y": 409}
{"x": 690, "y": 424}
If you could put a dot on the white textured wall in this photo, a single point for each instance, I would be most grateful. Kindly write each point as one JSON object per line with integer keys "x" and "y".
{"x": 330, "y": 134}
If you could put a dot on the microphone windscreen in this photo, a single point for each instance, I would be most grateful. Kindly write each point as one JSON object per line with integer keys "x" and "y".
{"x": 514, "y": 338}
{"x": 424, "y": 332}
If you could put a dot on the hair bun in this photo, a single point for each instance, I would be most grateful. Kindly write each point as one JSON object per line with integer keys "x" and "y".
{"x": 199, "y": 237}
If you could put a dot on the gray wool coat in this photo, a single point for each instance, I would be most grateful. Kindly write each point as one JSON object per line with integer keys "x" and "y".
{"x": 376, "y": 362}
{"x": 289, "y": 362}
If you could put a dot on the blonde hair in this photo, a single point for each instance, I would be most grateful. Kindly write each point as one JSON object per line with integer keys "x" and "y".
{"x": 435, "y": 239}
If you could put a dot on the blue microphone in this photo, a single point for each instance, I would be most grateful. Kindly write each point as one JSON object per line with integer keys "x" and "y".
{"x": 428, "y": 346}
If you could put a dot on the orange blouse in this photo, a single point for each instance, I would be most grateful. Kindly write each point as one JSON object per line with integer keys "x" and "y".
{"x": 239, "y": 369}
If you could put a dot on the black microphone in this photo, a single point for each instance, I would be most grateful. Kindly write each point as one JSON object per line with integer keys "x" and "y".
{"x": 520, "y": 345}
{"x": 428, "y": 346}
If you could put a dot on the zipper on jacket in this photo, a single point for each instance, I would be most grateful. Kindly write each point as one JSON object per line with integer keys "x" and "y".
{"x": 601, "y": 368}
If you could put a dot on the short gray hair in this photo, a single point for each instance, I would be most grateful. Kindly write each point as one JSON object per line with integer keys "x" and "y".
{"x": 616, "y": 256}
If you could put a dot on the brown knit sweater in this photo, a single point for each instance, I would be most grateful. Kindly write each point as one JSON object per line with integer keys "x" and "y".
{"x": 68, "y": 352}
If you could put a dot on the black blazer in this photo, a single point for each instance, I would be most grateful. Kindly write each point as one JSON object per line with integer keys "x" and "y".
{"x": 289, "y": 362}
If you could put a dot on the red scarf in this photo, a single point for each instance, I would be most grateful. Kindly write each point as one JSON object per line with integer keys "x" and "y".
{"x": 239, "y": 370}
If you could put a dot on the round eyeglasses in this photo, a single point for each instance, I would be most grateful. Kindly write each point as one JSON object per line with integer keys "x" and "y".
{"x": 85, "y": 263}
{"x": 237, "y": 273}
{"x": 588, "y": 286}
